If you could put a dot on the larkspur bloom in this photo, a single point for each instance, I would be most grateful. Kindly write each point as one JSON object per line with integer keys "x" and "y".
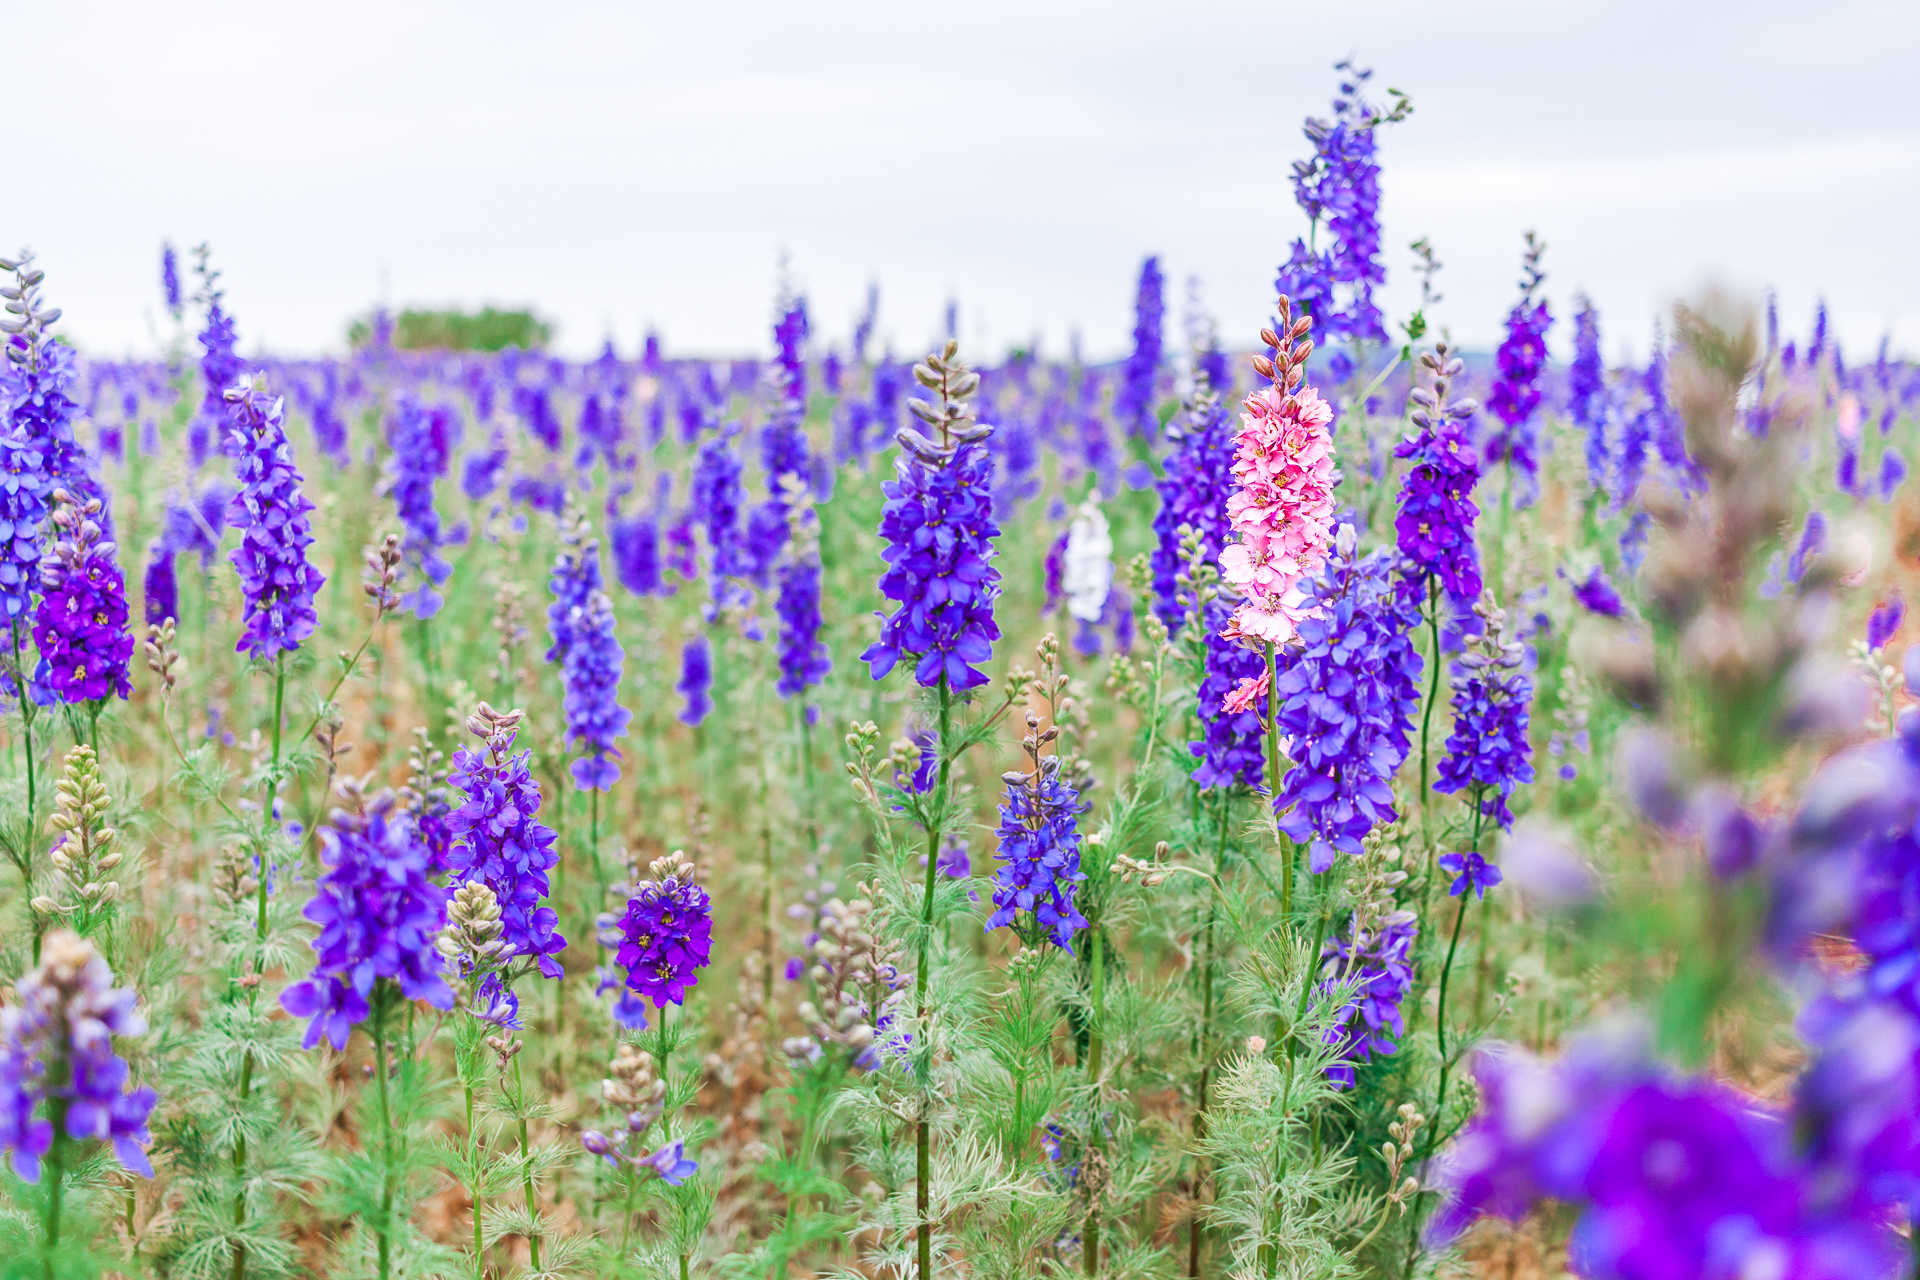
{"x": 1434, "y": 528}
{"x": 1380, "y": 971}
{"x": 24, "y": 486}
{"x": 1519, "y": 364}
{"x": 1587, "y": 392}
{"x": 804, "y": 658}
{"x": 666, "y": 933}
{"x": 1346, "y": 697}
{"x": 170, "y": 280}
{"x": 378, "y": 914}
{"x": 1675, "y": 1178}
{"x": 1471, "y": 873}
{"x": 1339, "y": 187}
{"x": 420, "y": 438}
{"x": 1596, "y": 595}
{"x": 1232, "y": 751}
{"x": 36, "y": 384}
{"x": 1133, "y": 405}
{"x": 696, "y": 680}
{"x": 591, "y": 674}
{"x": 1087, "y": 565}
{"x": 1884, "y": 622}
{"x": 1488, "y": 753}
{"x": 939, "y": 529}
{"x": 56, "y": 1041}
{"x": 1193, "y": 494}
{"x": 574, "y": 581}
{"x": 220, "y": 367}
{"x": 1040, "y": 856}
{"x": 499, "y": 840}
{"x": 714, "y": 493}
{"x": 1282, "y": 510}
{"x": 80, "y": 621}
{"x": 270, "y": 510}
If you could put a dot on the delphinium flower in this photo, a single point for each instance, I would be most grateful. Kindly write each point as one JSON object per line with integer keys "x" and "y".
{"x": 190, "y": 525}
{"x": 1193, "y": 494}
{"x": 1488, "y": 753}
{"x": 170, "y": 280}
{"x": 1597, "y": 595}
{"x": 1380, "y": 972}
{"x": 1039, "y": 849}
{"x": 1893, "y": 472}
{"x": 1518, "y": 365}
{"x": 1086, "y": 571}
{"x": 938, "y": 526}
{"x": 635, "y": 1088}
{"x": 1231, "y": 750}
{"x": 1471, "y": 873}
{"x": 378, "y": 914}
{"x": 220, "y": 367}
{"x": 696, "y": 680}
{"x": 1339, "y": 187}
{"x": 1282, "y": 510}
{"x": 420, "y": 445}
{"x": 1435, "y": 526}
{"x": 24, "y": 486}
{"x": 36, "y": 385}
{"x": 666, "y": 933}
{"x": 270, "y": 510}
{"x": 1587, "y": 392}
{"x": 1133, "y": 406}
{"x": 480, "y": 474}
{"x": 804, "y": 658}
{"x": 1884, "y": 622}
{"x": 499, "y": 840}
{"x": 1346, "y": 698}
{"x": 574, "y": 581}
{"x": 714, "y": 492}
{"x": 591, "y": 674}
{"x": 80, "y": 622}
{"x": 56, "y": 1042}
{"x": 1673, "y": 1177}
{"x": 636, "y": 552}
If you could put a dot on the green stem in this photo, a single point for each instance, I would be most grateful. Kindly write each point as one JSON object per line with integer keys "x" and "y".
{"x": 26, "y": 729}
{"x": 1426, "y": 729}
{"x": 923, "y": 1147}
{"x": 266, "y": 817}
{"x": 473, "y": 1150}
{"x": 384, "y": 1229}
{"x": 526, "y": 1162}
{"x": 1194, "y": 1231}
{"x": 1095, "y": 1044}
{"x": 56, "y": 1173}
{"x": 1273, "y": 776}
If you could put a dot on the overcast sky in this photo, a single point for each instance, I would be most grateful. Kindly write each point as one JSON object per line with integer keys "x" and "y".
{"x": 626, "y": 165}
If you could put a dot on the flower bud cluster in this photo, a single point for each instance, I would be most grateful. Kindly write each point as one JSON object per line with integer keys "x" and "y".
{"x": 859, "y": 982}
{"x": 84, "y": 852}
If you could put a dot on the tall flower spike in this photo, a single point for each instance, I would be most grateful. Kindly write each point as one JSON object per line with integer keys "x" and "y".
{"x": 939, "y": 529}
{"x": 80, "y": 624}
{"x": 24, "y": 486}
{"x": 666, "y": 935}
{"x": 499, "y": 840}
{"x": 804, "y": 659}
{"x": 220, "y": 367}
{"x": 84, "y": 852}
{"x": 1039, "y": 848}
{"x": 1437, "y": 511}
{"x": 1347, "y": 695}
{"x": 36, "y": 384}
{"x": 1193, "y": 494}
{"x": 56, "y": 1041}
{"x": 1282, "y": 511}
{"x": 1488, "y": 750}
{"x": 1519, "y": 363}
{"x": 420, "y": 440}
{"x": 378, "y": 916}
{"x": 591, "y": 673}
{"x": 271, "y": 512}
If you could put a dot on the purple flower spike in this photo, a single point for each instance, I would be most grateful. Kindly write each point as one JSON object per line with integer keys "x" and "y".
{"x": 378, "y": 916}
{"x": 666, "y": 934}
{"x": 1347, "y": 698}
{"x": 1040, "y": 850}
{"x": 1193, "y": 492}
{"x": 271, "y": 512}
{"x": 1472, "y": 873}
{"x": 939, "y": 529}
{"x": 500, "y": 842}
{"x": 1884, "y": 623}
{"x": 592, "y": 673}
{"x": 1382, "y": 966}
{"x": 696, "y": 680}
{"x": 422, "y": 441}
{"x": 80, "y": 623}
{"x": 1910, "y": 670}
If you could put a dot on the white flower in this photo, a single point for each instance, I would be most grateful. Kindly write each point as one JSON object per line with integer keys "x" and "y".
{"x": 1087, "y": 568}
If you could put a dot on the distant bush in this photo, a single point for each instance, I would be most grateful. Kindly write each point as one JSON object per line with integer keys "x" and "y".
{"x": 487, "y": 329}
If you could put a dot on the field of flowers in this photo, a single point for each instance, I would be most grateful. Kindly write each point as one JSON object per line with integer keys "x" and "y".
{"x": 1296, "y": 804}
